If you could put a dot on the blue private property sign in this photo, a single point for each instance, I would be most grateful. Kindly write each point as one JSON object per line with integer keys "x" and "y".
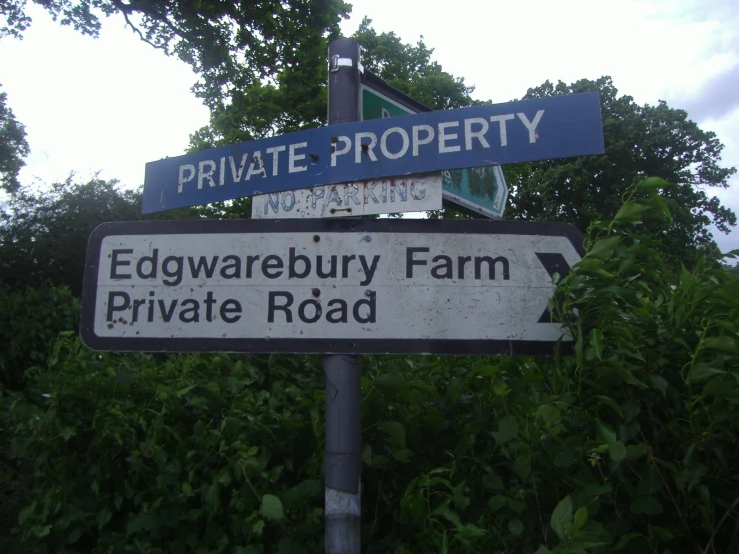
{"x": 493, "y": 134}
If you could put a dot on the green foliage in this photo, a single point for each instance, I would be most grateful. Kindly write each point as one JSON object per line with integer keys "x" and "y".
{"x": 29, "y": 321}
{"x": 44, "y": 233}
{"x": 13, "y": 147}
{"x": 640, "y": 141}
{"x": 205, "y": 454}
{"x": 79, "y": 14}
{"x": 296, "y": 98}
{"x": 410, "y": 69}
{"x": 659, "y": 367}
{"x": 627, "y": 443}
{"x": 734, "y": 270}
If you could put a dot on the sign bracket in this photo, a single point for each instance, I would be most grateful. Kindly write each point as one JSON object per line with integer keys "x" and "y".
{"x": 336, "y": 62}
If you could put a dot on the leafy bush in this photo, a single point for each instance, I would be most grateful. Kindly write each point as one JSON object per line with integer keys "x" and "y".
{"x": 194, "y": 454}
{"x": 29, "y": 320}
{"x": 628, "y": 444}
{"x": 44, "y": 233}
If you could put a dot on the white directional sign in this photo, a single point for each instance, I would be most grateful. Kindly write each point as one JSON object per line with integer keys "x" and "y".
{"x": 415, "y": 193}
{"x": 374, "y": 286}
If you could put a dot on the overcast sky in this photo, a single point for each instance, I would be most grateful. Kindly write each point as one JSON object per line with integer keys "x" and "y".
{"x": 114, "y": 103}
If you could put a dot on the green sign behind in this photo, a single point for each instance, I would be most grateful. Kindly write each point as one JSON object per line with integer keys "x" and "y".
{"x": 376, "y": 105}
{"x": 482, "y": 189}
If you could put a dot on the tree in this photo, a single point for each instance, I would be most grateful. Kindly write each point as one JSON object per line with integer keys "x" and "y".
{"x": 640, "y": 141}
{"x": 733, "y": 269}
{"x": 43, "y": 235}
{"x": 411, "y": 70}
{"x": 297, "y": 98}
{"x": 230, "y": 45}
{"x": 13, "y": 147}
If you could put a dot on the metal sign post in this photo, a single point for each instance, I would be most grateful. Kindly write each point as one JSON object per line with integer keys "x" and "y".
{"x": 343, "y": 463}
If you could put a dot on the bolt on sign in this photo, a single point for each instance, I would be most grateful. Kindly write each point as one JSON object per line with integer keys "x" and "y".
{"x": 372, "y": 286}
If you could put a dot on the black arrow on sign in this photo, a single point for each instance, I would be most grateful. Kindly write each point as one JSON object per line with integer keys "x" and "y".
{"x": 553, "y": 263}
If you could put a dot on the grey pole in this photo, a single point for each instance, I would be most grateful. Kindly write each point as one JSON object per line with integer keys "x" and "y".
{"x": 343, "y": 454}
{"x": 343, "y": 471}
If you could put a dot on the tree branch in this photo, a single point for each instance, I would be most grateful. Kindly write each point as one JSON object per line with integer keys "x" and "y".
{"x": 720, "y": 523}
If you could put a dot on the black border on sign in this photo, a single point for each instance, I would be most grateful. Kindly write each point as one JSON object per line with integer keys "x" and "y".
{"x": 312, "y": 346}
